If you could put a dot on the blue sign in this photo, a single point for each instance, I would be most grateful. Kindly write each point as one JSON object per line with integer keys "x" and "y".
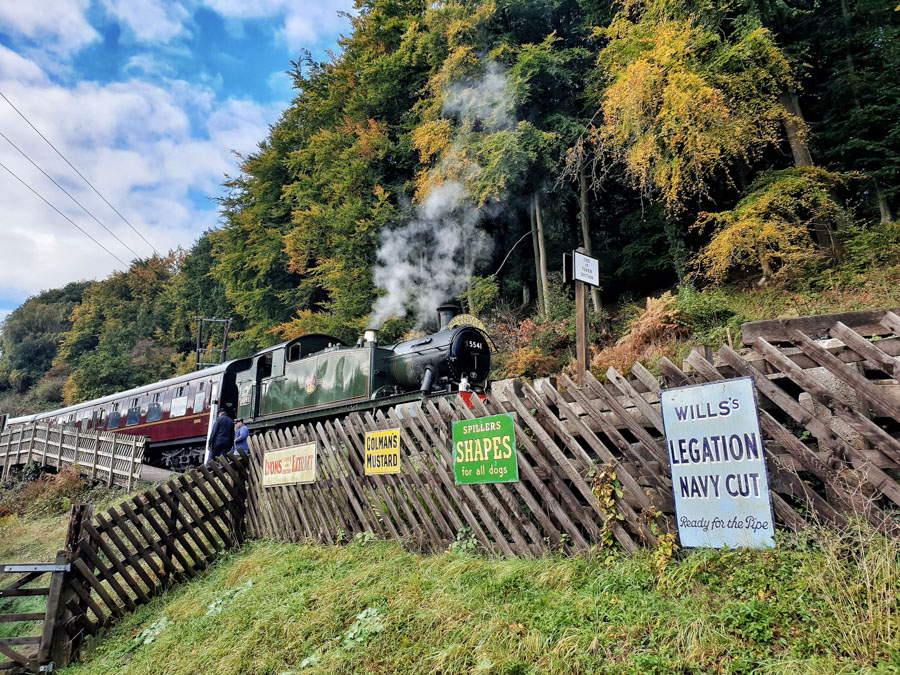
{"x": 718, "y": 465}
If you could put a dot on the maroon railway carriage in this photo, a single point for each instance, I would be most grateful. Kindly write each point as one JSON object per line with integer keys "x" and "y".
{"x": 173, "y": 413}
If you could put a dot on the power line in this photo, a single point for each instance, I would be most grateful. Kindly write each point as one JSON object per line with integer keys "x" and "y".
{"x": 63, "y": 214}
{"x": 22, "y": 115}
{"x": 68, "y": 194}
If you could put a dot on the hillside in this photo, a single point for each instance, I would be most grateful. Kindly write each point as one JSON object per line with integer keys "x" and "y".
{"x": 816, "y": 604}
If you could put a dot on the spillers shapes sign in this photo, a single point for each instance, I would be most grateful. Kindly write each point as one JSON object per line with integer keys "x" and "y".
{"x": 296, "y": 464}
{"x": 382, "y": 452}
{"x": 718, "y": 465}
{"x": 484, "y": 450}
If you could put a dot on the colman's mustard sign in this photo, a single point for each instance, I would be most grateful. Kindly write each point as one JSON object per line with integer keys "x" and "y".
{"x": 383, "y": 452}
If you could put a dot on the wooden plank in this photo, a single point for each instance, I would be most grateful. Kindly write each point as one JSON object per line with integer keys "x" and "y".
{"x": 880, "y": 439}
{"x": 172, "y": 551}
{"x": 19, "y": 658}
{"x": 51, "y": 614}
{"x": 849, "y": 376}
{"x": 823, "y": 433}
{"x": 622, "y": 472}
{"x": 86, "y": 598}
{"x": 210, "y": 508}
{"x": 374, "y": 489}
{"x": 135, "y": 563}
{"x": 196, "y": 520}
{"x": 20, "y": 641}
{"x": 24, "y": 616}
{"x": 891, "y": 321}
{"x": 202, "y": 554}
{"x": 97, "y": 587}
{"x": 107, "y": 574}
{"x": 497, "y": 540}
{"x": 465, "y": 497}
{"x": 579, "y": 482}
{"x": 629, "y": 483}
{"x": 406, "y": 493}
{"x": 779, "y": 330}
{"x": 539, "y": 511}
{"x": 24, "y": 592}
{"x": 874, "y": 356}
{"x": 352, "y": 484}
{"x": 626, "y": 448}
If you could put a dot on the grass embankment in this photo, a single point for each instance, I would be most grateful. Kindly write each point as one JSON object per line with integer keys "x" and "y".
{"x": 33, "y": 522}
{"x": 812, "y": 605}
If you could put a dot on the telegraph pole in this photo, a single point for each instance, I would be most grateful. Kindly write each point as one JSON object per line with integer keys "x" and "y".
{"x": 201, "y": 350}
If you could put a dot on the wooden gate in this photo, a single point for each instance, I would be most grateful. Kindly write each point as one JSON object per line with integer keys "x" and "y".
{"x": 31, "y": 652}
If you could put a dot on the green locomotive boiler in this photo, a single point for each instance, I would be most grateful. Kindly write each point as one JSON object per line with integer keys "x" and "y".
{"x": 317, "y": 376}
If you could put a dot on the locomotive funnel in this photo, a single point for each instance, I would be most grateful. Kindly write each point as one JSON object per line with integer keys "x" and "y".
{"x": 446, "y": 313}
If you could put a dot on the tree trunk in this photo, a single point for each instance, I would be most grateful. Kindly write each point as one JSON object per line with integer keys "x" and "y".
{"x": 537, "y": 258}
{"x": 886, "y": 215}
{"x": 586, "y": 231}
{"x": 795, "y": 128}
{"x": 542, "y": 243}
{"x": 764, "y": 262}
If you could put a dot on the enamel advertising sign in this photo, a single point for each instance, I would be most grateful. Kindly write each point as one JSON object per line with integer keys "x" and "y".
{"x": 718, "y": 465}
{"x": 484, "y": 450}
{"x": 383, "y": 452}
{"x": 296, "y": 464}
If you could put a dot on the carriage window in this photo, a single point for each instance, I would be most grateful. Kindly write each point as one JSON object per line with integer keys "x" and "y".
{"x": 179, "y": 405}
{"x": 154, "y": 410}
{"x": 199, "y": 399}
{"x": 114, "y": 417}
{"x": 134, "y": 413}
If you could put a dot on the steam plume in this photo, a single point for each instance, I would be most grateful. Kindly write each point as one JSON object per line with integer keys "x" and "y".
{"x": 431, "y": 258}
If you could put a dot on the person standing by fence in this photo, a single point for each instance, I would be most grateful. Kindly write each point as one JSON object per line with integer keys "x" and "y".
{"x": 241, "y": 434}
{"x": 221, "y": 439}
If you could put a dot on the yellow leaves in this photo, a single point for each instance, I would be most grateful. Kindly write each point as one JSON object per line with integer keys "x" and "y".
{"x": 682, "y": 104}
{"x": 432, "y": 139}
{"x": 770, "y": 228}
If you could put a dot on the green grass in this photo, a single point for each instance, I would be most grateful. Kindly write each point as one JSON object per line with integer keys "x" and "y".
{"x": 822, "y": 604}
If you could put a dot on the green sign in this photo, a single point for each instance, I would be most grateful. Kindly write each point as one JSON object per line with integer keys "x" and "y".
{"x": 484, "y": 450}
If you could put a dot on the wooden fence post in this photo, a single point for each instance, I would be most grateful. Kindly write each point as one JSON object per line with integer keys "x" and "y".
{"x": 131, "y": 467}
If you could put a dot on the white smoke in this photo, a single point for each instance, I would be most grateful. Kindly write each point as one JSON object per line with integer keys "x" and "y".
{"x": 431, "y": 259}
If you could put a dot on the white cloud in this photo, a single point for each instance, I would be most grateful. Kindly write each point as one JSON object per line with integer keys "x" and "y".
{"x": 57, "y": 26}
{"x": 150, "y": 148}
{"x": 303, "y": 23}
{"x": 150, "y": 20}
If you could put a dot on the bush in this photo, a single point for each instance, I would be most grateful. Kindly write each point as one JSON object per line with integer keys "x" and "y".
{"x": 707, "y": 314}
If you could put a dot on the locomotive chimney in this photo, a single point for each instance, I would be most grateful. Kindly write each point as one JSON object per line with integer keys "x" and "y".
{"x": 446, "y": 313}
{"x": 370, "y": 336}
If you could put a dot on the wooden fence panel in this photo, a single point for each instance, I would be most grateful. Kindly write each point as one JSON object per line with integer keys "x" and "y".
{"x": 113, "y": 458}
{"x": 827, "y": 458}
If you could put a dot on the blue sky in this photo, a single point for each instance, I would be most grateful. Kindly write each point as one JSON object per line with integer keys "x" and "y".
{"x": 147, "y": 99}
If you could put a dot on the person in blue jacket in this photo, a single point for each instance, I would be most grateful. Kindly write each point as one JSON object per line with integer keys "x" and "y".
{"x": 221, "y": 439}
{"x": 241, "y": 434}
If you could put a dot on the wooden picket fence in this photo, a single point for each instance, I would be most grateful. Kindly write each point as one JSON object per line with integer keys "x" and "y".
{"x": 831, "y": 451}
{"x": 103, "y": 455}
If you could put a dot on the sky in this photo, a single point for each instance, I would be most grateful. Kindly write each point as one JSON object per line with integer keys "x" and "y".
{"x": 148, "y": 100}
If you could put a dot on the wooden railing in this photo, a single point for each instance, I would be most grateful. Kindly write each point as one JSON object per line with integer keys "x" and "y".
{"x": 113, "y": 458}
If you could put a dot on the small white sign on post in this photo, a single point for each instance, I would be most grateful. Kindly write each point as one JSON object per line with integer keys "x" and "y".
{"x": 586, "y": 269}
{"x": 718, "y": 465}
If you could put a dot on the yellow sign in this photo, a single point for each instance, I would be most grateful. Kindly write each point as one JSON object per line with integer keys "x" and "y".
{"x": 383, "y": 452}
{"x": 296, "y": 464}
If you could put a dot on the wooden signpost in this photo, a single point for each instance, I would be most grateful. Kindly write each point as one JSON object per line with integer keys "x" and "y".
{"x": 581, "y": 269}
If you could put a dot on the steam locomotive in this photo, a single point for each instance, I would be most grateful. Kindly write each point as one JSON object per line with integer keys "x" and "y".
{"x": 308, "y": 378}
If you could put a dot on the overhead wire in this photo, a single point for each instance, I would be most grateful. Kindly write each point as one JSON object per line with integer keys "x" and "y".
{"x": 68, "y": 194}
{"x": 42, "y": 198}
{"x": 47, "y": 141}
